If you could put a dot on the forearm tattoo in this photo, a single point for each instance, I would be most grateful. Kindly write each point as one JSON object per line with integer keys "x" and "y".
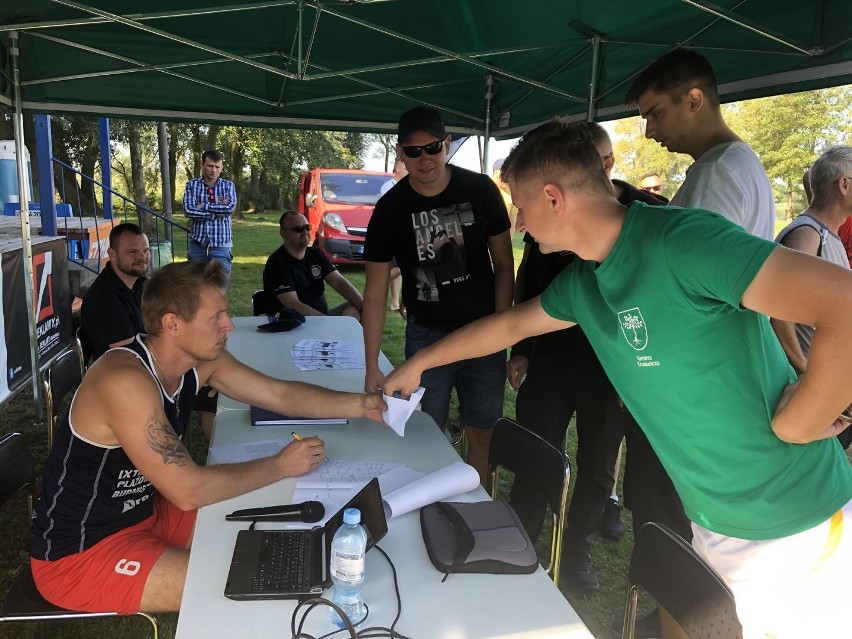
{"x": 163, "y": 441}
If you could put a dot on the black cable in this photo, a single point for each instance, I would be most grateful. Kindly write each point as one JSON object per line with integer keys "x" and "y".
{"x": 374, "y": 632}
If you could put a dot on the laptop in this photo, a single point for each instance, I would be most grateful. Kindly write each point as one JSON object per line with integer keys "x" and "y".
{"x": 294, "y": 564}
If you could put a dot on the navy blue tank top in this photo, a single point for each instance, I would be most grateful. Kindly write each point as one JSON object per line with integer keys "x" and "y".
{"x": 91, "y": 491}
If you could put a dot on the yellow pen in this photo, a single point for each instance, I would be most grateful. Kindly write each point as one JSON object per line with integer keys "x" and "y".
{"x": 299, "y": 438}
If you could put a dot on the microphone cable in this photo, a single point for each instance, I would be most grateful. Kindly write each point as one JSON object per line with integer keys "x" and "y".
{"x": 374, "y": 632}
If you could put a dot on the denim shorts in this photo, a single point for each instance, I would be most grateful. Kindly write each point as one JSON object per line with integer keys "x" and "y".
{"x": 200, "y": 253}
{"x": 479, "y": 382}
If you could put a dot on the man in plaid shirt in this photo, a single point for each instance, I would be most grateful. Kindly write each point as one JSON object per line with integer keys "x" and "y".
{"x": 209, "y": 202}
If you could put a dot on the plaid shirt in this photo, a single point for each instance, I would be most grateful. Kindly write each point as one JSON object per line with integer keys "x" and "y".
{"x": 210, "y": 209}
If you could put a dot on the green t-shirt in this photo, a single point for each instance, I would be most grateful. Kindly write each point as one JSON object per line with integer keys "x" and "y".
{"x": 701, "y": 374}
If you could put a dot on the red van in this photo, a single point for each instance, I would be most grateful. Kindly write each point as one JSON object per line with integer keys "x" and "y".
{"x": 338, "y": 204}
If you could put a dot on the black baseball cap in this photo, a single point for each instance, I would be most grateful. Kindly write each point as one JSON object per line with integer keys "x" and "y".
{"x": 420, "y": 119}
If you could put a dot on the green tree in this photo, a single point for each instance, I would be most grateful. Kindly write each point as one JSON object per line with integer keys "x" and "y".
{"x": 273, "y": 158}
{"x": 790, "y": 131}
{"x": 635, "y": 156}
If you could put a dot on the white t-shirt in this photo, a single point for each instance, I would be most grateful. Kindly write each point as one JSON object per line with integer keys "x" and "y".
{"x": 730, "y": 180}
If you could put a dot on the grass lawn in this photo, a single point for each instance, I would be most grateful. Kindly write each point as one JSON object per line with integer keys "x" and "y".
{"x": 255, "y": 238}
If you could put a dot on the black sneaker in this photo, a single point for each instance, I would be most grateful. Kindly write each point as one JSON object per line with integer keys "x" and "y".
{"x": 611, "y": 525}
{"x": 577, "y": 572}
{"x": 647, "y": 626}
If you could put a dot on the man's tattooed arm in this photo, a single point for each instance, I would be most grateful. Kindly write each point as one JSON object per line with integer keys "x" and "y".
{"x": 164, "y": 441}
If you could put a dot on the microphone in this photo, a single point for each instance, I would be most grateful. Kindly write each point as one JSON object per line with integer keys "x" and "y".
{"x": 308, "y": 512}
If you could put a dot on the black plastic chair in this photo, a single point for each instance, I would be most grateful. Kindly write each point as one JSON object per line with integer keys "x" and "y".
{"x": 258, "y": 302}
{"x": 61, "y": 377}
{"x": 23, "y": 601}
{"x": 542, "y": 465}
{"x": 683, "y": 583}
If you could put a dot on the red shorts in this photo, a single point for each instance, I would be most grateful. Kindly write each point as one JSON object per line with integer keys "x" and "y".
{"x": 110, "y": 576}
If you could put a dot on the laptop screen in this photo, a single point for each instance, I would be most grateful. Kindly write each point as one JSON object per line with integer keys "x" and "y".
{"x": 369, "y": 502}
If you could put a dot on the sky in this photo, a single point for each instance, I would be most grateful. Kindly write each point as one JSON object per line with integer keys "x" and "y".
{"x": 468, "y": 155}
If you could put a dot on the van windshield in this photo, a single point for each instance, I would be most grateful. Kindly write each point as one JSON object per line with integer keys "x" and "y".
{"x": 352, "y": 188}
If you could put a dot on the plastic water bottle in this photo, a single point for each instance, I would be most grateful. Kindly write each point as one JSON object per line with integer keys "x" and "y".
{"x": 347, "y": 568}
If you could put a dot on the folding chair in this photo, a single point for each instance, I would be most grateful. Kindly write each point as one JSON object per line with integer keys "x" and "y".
{"x": 83, "y": 349}
{"x": 60, "y": 377}
{"x": 258, "y": 302}
{"x": 681, "y": 582}
{"x": 23, "y": 601}
{"x": 538, "y": 462}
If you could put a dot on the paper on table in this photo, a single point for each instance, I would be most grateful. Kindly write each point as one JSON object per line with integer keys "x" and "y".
{"x": 235, "y": 453}
{"x": 403, "y": 489}
{"x": 399, "y": 410}
{"x": 455, "y": 479}
{"x": 335, "y": 482}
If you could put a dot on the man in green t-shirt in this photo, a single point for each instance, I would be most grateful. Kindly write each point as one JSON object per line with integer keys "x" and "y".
{"x": 676, "y": 308}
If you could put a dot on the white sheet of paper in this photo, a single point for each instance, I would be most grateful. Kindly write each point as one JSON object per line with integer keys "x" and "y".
{"x": 455, "y": 479}
{"x": 336, "y": 482}
{"x": 235, "y": 453}
{"x": 399, "y": 410}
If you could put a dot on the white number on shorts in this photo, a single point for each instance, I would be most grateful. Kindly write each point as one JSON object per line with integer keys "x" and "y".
{"x": 127, "y": 567}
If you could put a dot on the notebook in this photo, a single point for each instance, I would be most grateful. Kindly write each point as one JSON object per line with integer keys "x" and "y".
{"x": 263, "y": 417}
{"x": 294, "y": 564}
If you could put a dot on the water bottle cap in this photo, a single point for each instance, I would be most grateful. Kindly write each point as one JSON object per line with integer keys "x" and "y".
{"x": 351, "y": 516}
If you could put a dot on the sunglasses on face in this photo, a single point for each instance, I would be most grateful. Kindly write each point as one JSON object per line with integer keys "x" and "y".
{"x": 656, "y": 188}
{"x": 433, "y": 148}
{"x": 299, "y": 229}
{"x": 210, "y": 196}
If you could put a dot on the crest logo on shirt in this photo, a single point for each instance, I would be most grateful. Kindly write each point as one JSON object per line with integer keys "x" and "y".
{"x": 633, "y": 327}
{"x": 316, "y": 271}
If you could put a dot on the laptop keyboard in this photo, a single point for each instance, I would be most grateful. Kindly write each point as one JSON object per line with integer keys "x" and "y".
{"x": 281, "y": 566}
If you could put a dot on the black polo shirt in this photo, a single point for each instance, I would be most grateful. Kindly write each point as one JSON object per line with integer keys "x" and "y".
{"x": 111, "y": 312}
{"x": 284, "y": 273}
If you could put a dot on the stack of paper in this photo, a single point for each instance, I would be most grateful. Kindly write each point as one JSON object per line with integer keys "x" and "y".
{"x": 317, "y": 354}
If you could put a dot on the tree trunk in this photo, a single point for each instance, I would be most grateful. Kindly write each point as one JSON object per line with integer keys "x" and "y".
{"x": 254, "y": 181}
{"x": 237, "y": 163}
{"x": 165, "y": 177}
{"x": 212, "y": 134}
{"x": 173, "y": 135}
{"x": 196, "y": 151}
{"x": 137, "y": 175}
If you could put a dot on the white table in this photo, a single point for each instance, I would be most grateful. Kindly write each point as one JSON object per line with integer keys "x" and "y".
{"x": 463, "y": 607}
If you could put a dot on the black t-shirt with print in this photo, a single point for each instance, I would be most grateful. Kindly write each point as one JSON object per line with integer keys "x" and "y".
{"x": 441, "y": 246}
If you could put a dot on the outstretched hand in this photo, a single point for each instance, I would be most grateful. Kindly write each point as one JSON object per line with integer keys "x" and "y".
{"x": 404, "y": 379}
{"x": 374, "y": 406}
{"x": 373, "y": 381}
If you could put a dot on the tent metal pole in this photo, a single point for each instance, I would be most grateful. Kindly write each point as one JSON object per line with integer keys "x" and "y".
{"x": 160, "y": 15}
{"x": 164, "y": 69}
{"x": 450, "y": 54}
{"x": 175, "y": 38}
{"x": 26, "y": 242}
{"x": 593, "y": 80}
{"x": 719, "y": 12}
{"x": 489, "y": 100}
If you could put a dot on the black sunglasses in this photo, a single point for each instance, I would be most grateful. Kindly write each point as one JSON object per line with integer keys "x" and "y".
{"x": 433, "y": 148}
{"x": 299, "y": 229}
{"x": 210, "y": 196}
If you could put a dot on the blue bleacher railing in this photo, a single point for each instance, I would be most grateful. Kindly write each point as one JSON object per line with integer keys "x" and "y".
{"x": 160, "y": 230}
